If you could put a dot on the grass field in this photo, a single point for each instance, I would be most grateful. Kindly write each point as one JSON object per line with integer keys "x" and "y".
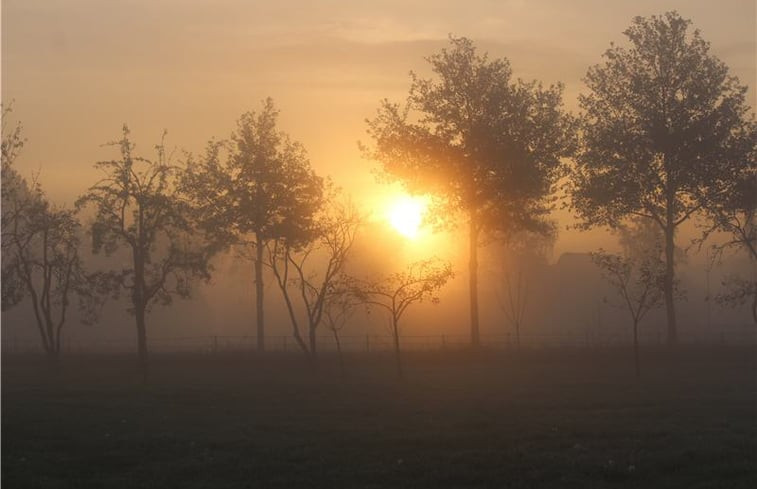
{"x": 548, "y": 418}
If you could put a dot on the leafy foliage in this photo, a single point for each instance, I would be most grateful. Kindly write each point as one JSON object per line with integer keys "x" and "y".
{"x": 260, "y": 185}
{"x": 139, "y": 208}
{"x": 663, "y": 125}
{"x": 479, "y": 143}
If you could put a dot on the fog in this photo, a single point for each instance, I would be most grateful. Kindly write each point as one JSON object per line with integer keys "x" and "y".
{"x": 77, "y": 70}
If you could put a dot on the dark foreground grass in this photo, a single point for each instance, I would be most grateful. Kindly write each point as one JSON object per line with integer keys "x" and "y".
{"x": 551, "y": 418}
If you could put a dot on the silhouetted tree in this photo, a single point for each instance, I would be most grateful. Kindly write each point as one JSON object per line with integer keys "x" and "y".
{"x": 40, "y": 246}
{"x": 738, "y": 291}
{"x": 310, "y": 269}
{"x": 731, "y": 206}
{"x": 481, "y": 143}
{"x": 396, "y": 292}
{"x": 523, "y": 251}
{"x": 637, "y": 275}
{"x": 663, "y": 121}
{"x": 338, "y": 308}
{"x": 259, "y": 187}
{"x": 138, "y": 206}
{"x": 14, "y": 189}
{"x": 515, "y": 302}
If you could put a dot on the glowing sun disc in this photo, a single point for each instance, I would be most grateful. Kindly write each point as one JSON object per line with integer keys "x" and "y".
{"x": 406, "y": 215}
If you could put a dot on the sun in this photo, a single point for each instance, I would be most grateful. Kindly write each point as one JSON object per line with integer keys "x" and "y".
{"x": 406, "y": 215}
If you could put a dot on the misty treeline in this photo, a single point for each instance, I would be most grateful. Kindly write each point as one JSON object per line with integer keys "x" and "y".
{"x": 664, "y": 135}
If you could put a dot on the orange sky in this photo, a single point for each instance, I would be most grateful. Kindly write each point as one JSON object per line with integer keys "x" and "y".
{"x": 78, "y": 69}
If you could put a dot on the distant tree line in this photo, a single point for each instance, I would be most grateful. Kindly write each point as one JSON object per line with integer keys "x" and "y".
{"x": 664, "y": 136}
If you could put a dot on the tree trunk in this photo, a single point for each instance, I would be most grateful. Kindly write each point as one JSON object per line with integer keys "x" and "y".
{"x": 636, "y": 347}
{"x": 473, "y": 271}
{"x": 398, "y": 358}
{"x": 517, "y": 335}
{"x": 339, "y": 352}
{"x": 142, "y": 339}
{"x": 139, "y": 300}
{"x": 259, "y": 293}
{"x": 668, "y": 285}
{"x": 313, "y": 339}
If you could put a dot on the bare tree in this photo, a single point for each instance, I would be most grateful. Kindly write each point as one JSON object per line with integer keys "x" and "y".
{"x": 138, "y": 206}
{"x": 339, "y": 307}
{"x": 396, "y": 292}
{"x": 637, "y": 276}
{"x": 308, "y": 270}
{"x": 261, "y": 187}
{"x": 515, "y": 302}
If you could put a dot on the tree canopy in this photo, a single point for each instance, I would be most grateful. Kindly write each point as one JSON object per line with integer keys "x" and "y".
{"x": 479, "y": 142}
{"x": 663, "y": 121}
{"x": 260, "y": 185}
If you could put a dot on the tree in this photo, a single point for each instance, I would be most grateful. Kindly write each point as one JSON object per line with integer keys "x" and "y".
{"x": 139, "y": 206}
{"x": 311, "y": 269}
{"x": 338, "y": 308}
{"x": 637, "y": 275}
{"x": 40, "y": 253}
{"x": 731, "y": 206}
{"x": 514, "y": 307}
{"x": 396, "y": 292}
{"x": 14, "y": 190}
{"x": 524, "y": 251}
{"x": 662, "y": 122}
{"x": 260, "y": 185}
{"x": 481, "y": 144}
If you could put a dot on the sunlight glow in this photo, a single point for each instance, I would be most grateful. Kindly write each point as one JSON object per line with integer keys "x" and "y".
{"x": 406, "y": 215}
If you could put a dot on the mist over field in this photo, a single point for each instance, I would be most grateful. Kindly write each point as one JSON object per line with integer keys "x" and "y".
{"x": 333, "y": 244}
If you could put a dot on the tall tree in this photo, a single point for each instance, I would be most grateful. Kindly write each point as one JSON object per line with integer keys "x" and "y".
{"x": 139, "y": 206}
{"x": 662, "y": 122}
{"x": 260, "y": 185}
{"x": 396, "y": 292}
{"x": 308, "y": 271}
{"x": 484, "y": 145}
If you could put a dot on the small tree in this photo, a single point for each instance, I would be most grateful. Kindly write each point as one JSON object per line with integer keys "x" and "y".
{"x": 731, "y": 206}
{"x": 514, "y": 304}
{"x": 664, "y": 123}
{"x": 310, "y": 268}
{"x": 339, "y": 307}
{"x": 481, "y": 143}
{"x": 637, "y": 276}
{"x": 396, "y": 292}
{"x": 260, "y": 186}
{"x": 41, "y": 258}
{"x": 138, "y": 206}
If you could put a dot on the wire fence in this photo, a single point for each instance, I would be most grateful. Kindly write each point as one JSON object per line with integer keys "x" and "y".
{"x": 211, "y": 344}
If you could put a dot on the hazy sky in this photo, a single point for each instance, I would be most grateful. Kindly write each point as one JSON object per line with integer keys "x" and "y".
{"x": 78, "y": 69}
